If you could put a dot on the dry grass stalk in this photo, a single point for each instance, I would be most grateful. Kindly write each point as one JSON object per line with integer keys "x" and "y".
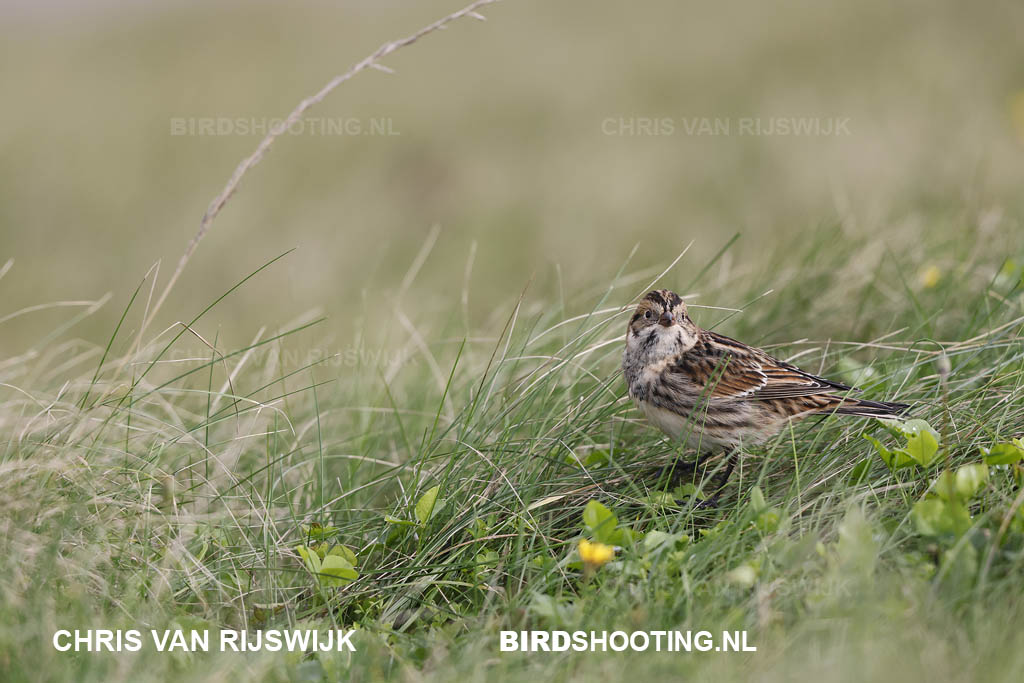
{"x": 371, "y": 61}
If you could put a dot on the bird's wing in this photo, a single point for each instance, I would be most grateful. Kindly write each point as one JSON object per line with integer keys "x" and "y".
{"x": 732, "y": 370}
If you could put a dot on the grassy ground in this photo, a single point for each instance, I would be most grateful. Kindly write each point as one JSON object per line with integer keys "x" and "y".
{"x": 175, "y": 494}
{"x": 444, "y": 406}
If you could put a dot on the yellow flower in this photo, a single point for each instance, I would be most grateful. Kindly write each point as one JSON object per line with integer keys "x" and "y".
{"x": 595, "y": 554}
{"x": 930, "y": 276}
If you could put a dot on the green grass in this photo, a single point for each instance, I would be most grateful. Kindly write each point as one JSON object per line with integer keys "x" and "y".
{"x": 170, "y": 485}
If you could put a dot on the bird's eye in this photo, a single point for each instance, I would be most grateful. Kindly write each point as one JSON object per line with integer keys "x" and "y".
{"x": 648, "y": 314}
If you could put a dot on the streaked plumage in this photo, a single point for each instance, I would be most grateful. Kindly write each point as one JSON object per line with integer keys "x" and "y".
{"x": 711, "y": 390}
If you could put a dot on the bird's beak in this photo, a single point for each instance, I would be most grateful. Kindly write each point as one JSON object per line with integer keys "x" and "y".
{"x": 666, "y": 319}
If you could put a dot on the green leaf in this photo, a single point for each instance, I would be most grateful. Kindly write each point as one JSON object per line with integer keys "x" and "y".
{"x": 744, "y": 575}
{"x": 970, "y": 478}
{"x": 686, "y": 490}
{"x": 882, "y": 450}
{"x": 893, "y": 459}
{"x": 716, "y": 530}
{"x": 487, "y": 558}
{"x": 959, "y": 518}
{"x": 594, "y": 513}
{"x": 899, "y": 460}
{"x": 944, "y": 486}
{"x": 660, "y": 499}
{"x": 395, "y": 520}
{"x": 426, "y": 506}
{"x": 893, "y": 426}
{"x": 601, "y": 522}
{"x": 918, "y": 426}
{"x": 1005, "y": 454}
{"x": 757, "y": 499}
{"x": 656, "y": 539}
{"x": 309, "y": 558}
{"x": 547, "y": 608}
{"x": 337, "y": 571}
{"x": 922, "y": 444}
{"x": 856, "y": 373}
{"x": 928, "y": 516}
{"x": 860, "y": 471}
{"x": 856, "y": 548}
{"x": 622, "y": 537}
{"x": 937, "y": 517}
{"x": 922, "y": 447}
{"x": 344, "y": 552}
{"x": 767, "y": 521}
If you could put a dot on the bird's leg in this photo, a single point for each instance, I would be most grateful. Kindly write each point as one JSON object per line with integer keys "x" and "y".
{"x": 730, "y": 465}
{"x": 681, "y": 471}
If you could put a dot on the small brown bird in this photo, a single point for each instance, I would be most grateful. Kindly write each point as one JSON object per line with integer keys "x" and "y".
{"x": 710, "y": 390}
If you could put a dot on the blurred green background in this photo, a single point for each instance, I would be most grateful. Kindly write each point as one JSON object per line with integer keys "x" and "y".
{"x": 525, "y": 134}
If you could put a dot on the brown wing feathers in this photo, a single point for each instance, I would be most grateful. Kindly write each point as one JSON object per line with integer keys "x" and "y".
{"x": 750, "y": 373}
{"x": 733, "y": 370}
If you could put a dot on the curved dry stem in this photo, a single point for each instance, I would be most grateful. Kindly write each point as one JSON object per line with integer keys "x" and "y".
{"x": 371, "y": 61}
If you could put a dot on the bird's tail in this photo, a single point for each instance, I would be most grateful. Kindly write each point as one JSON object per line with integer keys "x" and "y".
{"x": 882, "y": 409}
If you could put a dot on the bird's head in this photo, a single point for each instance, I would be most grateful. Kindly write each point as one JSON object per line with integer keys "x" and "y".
{"x": 660, "y": 325}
